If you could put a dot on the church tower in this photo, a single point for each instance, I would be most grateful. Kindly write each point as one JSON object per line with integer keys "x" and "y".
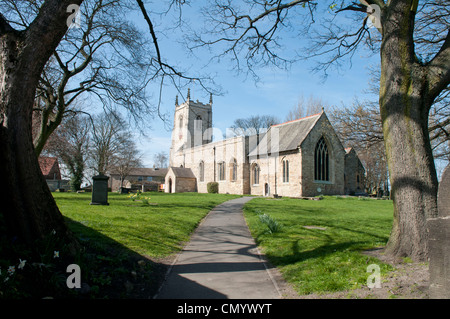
{"x": 192, "y": 125}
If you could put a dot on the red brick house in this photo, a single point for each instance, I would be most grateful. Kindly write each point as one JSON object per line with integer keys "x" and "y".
{"x": 50, "y": 167}
{"x": 52, "y": 174}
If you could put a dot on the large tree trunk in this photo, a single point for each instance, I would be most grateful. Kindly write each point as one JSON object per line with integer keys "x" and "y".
{"x": 28, "y": 209}
{"x": 405, "y": 104}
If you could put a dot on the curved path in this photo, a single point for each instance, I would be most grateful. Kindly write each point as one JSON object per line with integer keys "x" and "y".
{"x": 221, "y": 261}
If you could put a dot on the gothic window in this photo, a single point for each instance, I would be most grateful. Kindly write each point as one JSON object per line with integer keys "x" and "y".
{"x": 198, "y": 122}
{"x": 321, "y": 161}
{"x": 233, "y": 170}
{"x": 221, "y": 171}
{"x": 255, "y": 174}
{"x": 201, "y": 169}
{"x": 180, "y": 121}
{"x": 285, "y": 171}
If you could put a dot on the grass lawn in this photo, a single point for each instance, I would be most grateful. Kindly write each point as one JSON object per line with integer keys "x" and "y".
{"x": 125, "y": 242}
{"x": 155, "y": 230}
{"x": 325, "y": 256}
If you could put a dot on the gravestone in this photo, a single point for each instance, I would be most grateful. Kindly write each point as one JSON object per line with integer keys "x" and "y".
{"x": 439, "y": 242}
{"x": 100, "y": 190}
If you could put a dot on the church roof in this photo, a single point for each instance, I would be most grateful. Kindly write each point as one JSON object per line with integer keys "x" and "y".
{"x": 182, "y": 172}
{"x": 289, "y": 135}
{"x": 49, "y": 167}
{"x": 144, "y": 171}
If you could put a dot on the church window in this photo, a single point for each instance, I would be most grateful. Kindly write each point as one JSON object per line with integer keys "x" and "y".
{"x": 180, "y": 121}
{"x": 233, "y": 170}
{"x": 221, "y": 171}
{"x": 321, "y": 161}
{"x": 201, "y": 169}
{"x": 255, "y": 174}
{"x": 285, "y": 171}
{"x": 198, "y": 122}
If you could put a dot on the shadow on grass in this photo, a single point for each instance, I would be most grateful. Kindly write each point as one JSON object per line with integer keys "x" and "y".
{"x": 112, "y": 270}
{"x": 316, "y": 253}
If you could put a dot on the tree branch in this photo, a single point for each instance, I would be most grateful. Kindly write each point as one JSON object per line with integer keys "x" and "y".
{"x": 152, "y": 30}
{"x": 439, "y": 70}
{"x": 5, "y": 27}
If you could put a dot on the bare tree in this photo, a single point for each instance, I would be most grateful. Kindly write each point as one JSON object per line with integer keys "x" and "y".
{"x": 253, "y": 125}
{"x": 125, "y": 159}
{"x": 105, "y": 57}
{"x": 70, "y": 143}
{"x": 31, "y": 214}
{"x": 413, "y": 40}
{"x": 304, "y": 108}
{"x": 359, "y": 126}
{"x": 107, "y": 140}
{"x": 28, "y": 39}
{"x": 161, "y": 159}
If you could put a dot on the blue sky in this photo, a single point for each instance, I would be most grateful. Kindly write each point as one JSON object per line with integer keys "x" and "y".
{"x": 277, "y": 91}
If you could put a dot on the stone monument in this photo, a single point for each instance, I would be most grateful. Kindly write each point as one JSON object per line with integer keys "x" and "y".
{"x": 439, "y": 242}
{"x": 100, "y": 190}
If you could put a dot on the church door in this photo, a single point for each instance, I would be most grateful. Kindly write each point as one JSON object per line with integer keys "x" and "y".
{"x": 266, "y": 189}
{"x": 170, "y": 185}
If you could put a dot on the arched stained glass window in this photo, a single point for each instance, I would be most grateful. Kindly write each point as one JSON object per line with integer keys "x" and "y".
{"x": 321, "y": 161}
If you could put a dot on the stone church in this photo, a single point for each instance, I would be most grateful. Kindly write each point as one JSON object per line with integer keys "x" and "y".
{"x": 300, "y": 158}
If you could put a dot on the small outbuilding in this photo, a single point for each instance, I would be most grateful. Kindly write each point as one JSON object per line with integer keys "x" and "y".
{"x": 180, "y": 180}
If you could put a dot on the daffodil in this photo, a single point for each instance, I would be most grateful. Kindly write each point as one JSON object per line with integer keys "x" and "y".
{"x": 56, "y": 254}
{"x": 21, "y": 264}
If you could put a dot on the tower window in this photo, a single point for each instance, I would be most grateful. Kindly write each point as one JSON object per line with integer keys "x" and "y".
{"x": 321, "y": 161}
{"x": 180, "y": 121}
{"x": 198, "y": 122}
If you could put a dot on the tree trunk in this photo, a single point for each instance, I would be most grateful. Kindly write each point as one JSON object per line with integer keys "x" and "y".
{"x": 29, "y": 212}
{"x": 405, "y": 105}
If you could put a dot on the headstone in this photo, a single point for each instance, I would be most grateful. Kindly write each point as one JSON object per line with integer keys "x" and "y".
{"x": 124, "y": 190}
{"x": 100, "y": 190}
{"x": 444, "y": 194}
{"x": 439, "y": 242}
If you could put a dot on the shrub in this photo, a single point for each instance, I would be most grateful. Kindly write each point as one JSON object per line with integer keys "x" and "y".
{"x": 213, "y": 187}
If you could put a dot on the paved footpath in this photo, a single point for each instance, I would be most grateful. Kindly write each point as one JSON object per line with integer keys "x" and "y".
{"x": 220, "y": 261}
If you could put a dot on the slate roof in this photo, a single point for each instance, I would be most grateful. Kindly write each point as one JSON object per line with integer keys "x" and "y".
{"x": 289, "y": 135}
{"x": 144, "y": 171}
{"x": 181, "y": 172}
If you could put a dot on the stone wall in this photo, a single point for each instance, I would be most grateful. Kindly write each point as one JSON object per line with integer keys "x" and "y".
{"x": 354, "y": 174}
{"x": 211, "y": 155}
{"x": 176, "y": 184}
{"x": 335, "y": 186}
{"x": 271, "y": 173}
